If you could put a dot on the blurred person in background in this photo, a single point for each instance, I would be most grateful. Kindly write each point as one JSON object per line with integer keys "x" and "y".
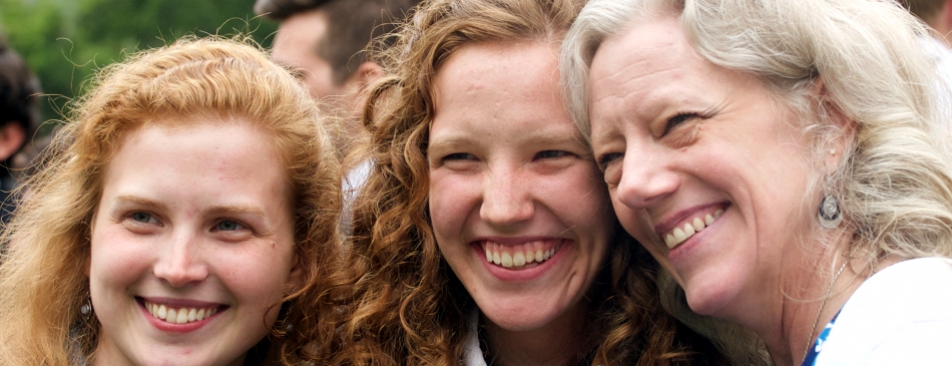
{"x": 937, "y": 14}
{"x": 324, "y": 40}
{"x": 19, "y": 117}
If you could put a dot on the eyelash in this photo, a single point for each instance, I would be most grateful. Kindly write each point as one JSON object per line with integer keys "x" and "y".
{"x": 678, "y": 120}
{"x": 606, "y": 159}
{"x": 143, "y": 217}
{"x": 458, "y": 156}
{"x": 548, "y": 154}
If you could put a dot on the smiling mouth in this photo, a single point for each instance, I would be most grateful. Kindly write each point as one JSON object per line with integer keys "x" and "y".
{"x": 520, "y": 256}
{"x": 685, "y": 230}
{"x": 181, "y": 315}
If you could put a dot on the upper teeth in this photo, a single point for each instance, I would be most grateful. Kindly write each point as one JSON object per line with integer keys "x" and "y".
{"x": 682, "y": 233}
{"x": 180, "y": 315}
{"x": 518, "y": 255}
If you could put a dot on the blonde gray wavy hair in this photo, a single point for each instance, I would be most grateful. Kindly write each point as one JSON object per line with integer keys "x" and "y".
{"x": 894, "y": 182}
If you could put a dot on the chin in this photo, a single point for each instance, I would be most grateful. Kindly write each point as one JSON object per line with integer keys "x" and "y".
{"x": 709, "y": 300}
{"x": 519, "y": 318}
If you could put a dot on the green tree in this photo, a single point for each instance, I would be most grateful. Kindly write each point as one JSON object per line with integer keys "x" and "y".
{"x": 65, "y": 41}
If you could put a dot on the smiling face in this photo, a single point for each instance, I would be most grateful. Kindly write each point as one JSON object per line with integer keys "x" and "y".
{"x": 192, "y": 245}
{"x": 517, "y": 206}
{"x": 704, "y": 166}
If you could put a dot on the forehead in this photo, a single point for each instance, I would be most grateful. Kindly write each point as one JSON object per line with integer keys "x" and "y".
{"x": 498, "y": 79}
{"x": 498, "y": 92}
{"x": 649, "y": 67}
{"x": 198, "y": 145}
{"x": 647, "y": 55}
{"x": 300, "y": 33}
{"x": 498, "y": 71}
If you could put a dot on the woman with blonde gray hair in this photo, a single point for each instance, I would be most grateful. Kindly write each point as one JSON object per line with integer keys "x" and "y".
{"x": 787, "y": 162}
{"x": 484, "y": 235}
{"x": 189, "y": 217}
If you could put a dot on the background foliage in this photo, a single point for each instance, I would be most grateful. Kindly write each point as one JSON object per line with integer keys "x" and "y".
{"x": 65, "y": 41}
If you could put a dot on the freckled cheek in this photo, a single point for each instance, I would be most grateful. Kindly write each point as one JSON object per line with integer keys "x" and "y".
{"x": 258, "y": 276}
{"x": 450, "y": 201}
{"x": 115, "y": 255}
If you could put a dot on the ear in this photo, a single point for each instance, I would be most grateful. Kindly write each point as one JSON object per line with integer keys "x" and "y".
{"x": 12, "y": 136}
{"x": 839, "y": 141}
{"x": 296, "y": 277}
{"x": 357, "y": 84}
{"x": 370, "y": 71}
{"x": 89, "y": 264}
{"x": 366, "y": 74}
{"x": 942, "y": 22}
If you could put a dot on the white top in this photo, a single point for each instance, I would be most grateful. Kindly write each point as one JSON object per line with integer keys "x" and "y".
{"x": 899, "y": 316}
{"x": 354, "y": 180}
{"x": 471, "y": 351}
{"x": 351, "y": 185}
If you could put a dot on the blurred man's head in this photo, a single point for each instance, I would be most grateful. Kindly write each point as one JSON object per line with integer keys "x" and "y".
{"x": 325, "y": 39}
{"x": 19, "y": 107}
{"x": 936, "y": 13}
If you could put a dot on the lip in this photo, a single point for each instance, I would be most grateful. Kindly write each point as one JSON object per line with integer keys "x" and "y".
{"x": 670, "y": 222}
{"x": 524, "y": 274}
{"x": 694, "y": 248}
{"x": 178, "y": 303}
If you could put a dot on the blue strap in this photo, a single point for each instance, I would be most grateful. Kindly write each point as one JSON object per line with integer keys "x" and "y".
{"x": 813, "y": 352}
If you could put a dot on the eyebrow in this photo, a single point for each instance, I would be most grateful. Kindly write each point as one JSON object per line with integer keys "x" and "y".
{"x": 215, "y": 210}
{"x": 452, "y": 141}
{"x": 139, "y": 200}
{"x": 236, "y": 209}
{"x": 543, "y": 138}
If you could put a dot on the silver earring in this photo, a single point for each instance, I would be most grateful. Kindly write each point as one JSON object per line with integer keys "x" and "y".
{"x": 829, "y": 213}
{"x": 87, "y": 309}
{"x": 283, "y": 322}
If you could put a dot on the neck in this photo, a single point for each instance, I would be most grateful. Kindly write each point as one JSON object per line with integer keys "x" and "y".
{"x": 790, "y": 304}
{"x": 565, "y": 341}
{"x": 813, "y": 291}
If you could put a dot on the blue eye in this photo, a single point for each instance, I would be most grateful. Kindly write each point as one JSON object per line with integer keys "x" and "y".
{"x": 228, "y": 225}
{"x": 142, "y": 217}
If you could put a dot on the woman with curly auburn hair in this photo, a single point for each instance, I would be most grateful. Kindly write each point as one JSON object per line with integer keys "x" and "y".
{"x": 787, "y": 162}
{"x": 188, "y": 218}
{"x": 484, "y": 235}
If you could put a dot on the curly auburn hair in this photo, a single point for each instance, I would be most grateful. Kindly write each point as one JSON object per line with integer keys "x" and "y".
{"x": 43, "y": 279}
{"x": 407, "y": 306}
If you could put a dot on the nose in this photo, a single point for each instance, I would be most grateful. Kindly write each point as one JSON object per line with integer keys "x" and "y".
{"x": 646, "y": 177}
{"x": 180, "y": 263}
{"x": 507, "y": 199}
